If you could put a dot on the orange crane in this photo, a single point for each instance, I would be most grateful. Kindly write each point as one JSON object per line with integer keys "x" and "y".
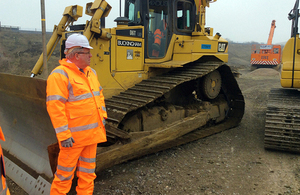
{"x": 266, "y": 55}
{"x": 271, "y": 32}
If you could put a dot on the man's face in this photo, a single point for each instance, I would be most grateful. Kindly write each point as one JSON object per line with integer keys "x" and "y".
{"x": 83, "y": 58}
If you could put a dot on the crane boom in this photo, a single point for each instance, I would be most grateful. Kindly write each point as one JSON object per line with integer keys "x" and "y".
{"x": 271, "y": 32}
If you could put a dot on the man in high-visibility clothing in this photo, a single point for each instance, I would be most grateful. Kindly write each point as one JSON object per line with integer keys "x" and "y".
{"x": 158, "y": 35}
{"x": 75, "y": 104}
{"x": 3, "y": 186}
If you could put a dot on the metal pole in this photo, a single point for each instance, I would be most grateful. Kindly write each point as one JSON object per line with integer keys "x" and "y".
{"x": 44, "y": 37}
{"x": 294, "y": 34}
{"x": 120, "y": 8}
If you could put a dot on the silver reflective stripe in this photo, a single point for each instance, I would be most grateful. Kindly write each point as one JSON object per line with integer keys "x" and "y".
{"x": 103, "y": 121}
{"x": 94, "y": 71}
{"x": 67, "y": 169}
{"x": 96, "y": 93}
{"x": 70, "y": 88}
{"x": 71, "y": 93}
{"x": 59, "y": 71}
{"x": 56, "y": 97}
{"x": 61, "y": 129}
{"x": 88, "y": 160}
{"x": 62, "y": 178}
{"x": 4, "y": 192}
{"x": 73, "y": 98}
{"x": 103, "y": 108}
{"x": 86, "y": 170}
{"x": 100, "y": 88}
{"x": 83, "y": 128}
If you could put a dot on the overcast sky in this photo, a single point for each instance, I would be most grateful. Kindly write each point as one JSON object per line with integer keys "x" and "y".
{"x": 236, "y": 20}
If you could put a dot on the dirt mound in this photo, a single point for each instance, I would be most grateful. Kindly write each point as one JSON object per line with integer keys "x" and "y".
{"x": 239, "y": 55}
{"x": 263, "y": 72}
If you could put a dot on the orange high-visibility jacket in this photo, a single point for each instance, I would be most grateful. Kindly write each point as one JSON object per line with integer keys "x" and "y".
{"x": 3, "y": 186}
{"x": 75, "y": 104}
{"x": 158, "y": 36}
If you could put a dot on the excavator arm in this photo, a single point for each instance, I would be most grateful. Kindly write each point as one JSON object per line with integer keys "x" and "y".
{"x": 294, "y": 16}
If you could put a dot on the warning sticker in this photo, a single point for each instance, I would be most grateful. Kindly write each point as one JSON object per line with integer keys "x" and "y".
{"x": 129, "y": 54}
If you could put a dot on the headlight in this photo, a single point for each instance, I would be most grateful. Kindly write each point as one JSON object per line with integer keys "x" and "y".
{"x": 88, "y": 9}
{"x": 222, "y": 47}
{"x": 74, "y": 11}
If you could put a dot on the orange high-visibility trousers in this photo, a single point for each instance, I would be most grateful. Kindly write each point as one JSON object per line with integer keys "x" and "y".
{"x": 3, "y": 185}
{"x": 82, "y": 158}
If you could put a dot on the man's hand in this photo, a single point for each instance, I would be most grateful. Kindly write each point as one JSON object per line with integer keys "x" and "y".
{"x": 67, "y": 143}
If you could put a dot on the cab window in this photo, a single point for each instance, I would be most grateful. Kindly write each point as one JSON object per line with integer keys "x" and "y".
{"x": 158, "y": 28}
{"x": 184, "y": 16}
{"x": 133, "y": 11}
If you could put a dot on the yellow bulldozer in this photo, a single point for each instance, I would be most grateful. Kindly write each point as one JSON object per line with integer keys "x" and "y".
{"x": 158, "y": 94}
{"x": 282, "y": 125}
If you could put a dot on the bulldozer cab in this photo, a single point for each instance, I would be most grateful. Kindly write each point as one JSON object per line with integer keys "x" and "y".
{"x": 161, "y": 17}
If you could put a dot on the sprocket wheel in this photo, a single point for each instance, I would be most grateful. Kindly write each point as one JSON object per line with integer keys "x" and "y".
{"x": 211, "y": 85}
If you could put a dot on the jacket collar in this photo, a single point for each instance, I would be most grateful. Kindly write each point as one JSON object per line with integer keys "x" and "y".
{"x": 65, "y": 62}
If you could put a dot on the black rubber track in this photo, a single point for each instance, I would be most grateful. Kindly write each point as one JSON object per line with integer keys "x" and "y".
{"x": 153, "y": 88}
{"x": 282, "y": 126}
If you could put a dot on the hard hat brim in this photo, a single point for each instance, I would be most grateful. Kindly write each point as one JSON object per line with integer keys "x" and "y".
{"x": 88, "y": 47}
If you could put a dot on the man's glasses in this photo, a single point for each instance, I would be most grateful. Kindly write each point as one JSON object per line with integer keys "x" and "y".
{"x": 83, "y": 52}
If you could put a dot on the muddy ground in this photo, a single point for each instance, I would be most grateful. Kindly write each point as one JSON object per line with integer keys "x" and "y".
{"x": 233, "y": 162}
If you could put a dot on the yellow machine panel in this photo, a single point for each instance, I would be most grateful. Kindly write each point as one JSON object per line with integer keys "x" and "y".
{"x": 290, "y": 74}
{"x": 128, "y": 54}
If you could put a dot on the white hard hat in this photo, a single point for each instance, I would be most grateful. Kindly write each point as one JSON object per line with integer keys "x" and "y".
{"x": 77, "y": 40}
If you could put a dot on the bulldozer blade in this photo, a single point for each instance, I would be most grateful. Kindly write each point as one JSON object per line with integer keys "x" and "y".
{"x": 152, "y": 143}
{"x": 187, "y": 130}
{"x": 26, "y": 125}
